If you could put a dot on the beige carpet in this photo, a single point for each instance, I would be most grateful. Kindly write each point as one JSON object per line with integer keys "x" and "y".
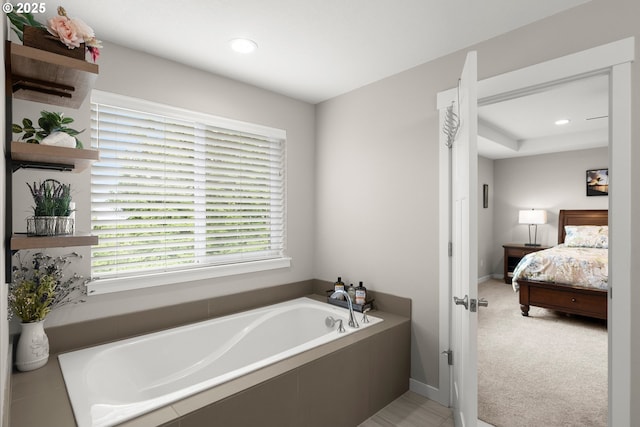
{"x": 545, "y": 370}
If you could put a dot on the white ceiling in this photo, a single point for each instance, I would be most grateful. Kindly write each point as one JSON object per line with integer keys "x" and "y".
{"x": 311, "y": 50}
{"x": 314, "y": 50}
{"x": 526, "y": 126}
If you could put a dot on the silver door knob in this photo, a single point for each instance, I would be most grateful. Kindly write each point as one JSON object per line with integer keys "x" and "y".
{"x": 462, "y": 301}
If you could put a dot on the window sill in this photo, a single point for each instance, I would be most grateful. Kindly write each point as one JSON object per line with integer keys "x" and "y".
{"x": 106, "y": 286}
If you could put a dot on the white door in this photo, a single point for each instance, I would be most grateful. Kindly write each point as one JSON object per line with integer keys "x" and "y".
{"x": 465, "y": 250}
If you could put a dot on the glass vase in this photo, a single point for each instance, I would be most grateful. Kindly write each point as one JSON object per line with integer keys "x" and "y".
{"x": 50, "y": 225}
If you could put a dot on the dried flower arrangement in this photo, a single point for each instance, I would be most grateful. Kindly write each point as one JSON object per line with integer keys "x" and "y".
{"x": 41, "y": 287}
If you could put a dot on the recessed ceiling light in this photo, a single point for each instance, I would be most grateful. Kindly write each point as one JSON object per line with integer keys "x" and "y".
{"x": 562, "y": 122}
{"x": 243, "y": 45}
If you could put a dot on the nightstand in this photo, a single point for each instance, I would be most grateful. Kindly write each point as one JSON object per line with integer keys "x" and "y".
{"x": 513, "y": 253}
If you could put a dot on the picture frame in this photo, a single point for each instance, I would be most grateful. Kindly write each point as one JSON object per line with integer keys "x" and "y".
{"x": 485, "y": 195}
{"x": 598, "y": 182}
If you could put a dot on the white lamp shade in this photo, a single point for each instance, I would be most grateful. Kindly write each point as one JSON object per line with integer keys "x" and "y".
{"x": 532, "y": 216}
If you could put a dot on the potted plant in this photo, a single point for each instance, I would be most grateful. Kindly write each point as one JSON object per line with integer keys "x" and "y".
{"x": 51, "y": 210}
{"x": 52, "y": 130}
{"x": 35, "y": 291}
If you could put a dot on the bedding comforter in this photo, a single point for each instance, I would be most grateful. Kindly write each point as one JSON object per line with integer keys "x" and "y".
{"x": 586, "y": 267}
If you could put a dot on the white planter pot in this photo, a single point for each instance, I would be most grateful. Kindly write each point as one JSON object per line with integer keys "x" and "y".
{"x": 59, "y": 139}
{"x": 33, "y": 347}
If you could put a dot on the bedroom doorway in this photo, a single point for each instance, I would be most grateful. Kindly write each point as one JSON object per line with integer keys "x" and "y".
{"x": 518, "y": 139}
{"x": 513, "y": 351}
{"x": 614, "y": 58}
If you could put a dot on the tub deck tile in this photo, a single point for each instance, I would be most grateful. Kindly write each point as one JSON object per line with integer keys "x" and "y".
{"x": 267, "y": 407}
{"x": 39, "y": 398}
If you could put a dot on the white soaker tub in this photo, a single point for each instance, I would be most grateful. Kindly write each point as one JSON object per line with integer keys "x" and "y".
{"x": 114, "y": 382}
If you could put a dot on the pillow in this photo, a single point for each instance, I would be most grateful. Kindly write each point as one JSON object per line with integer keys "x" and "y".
{"x": 587, "y": 236}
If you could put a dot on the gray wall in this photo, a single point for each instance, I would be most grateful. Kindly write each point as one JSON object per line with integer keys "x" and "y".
{"x": 377, "y": 166}
{"x": 550, "y": 182}
{"x": 137, "y": 74}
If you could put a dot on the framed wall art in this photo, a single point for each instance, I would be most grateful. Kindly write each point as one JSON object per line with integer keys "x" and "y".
{"x": 598, "y": 182}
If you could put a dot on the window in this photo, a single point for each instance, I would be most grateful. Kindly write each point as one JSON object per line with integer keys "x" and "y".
{"x": 176, "y": 190}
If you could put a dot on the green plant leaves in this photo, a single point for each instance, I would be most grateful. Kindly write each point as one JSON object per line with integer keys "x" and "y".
{"x": 51, "y": 198}
{"x": 49, "y": 122}
{"x": 19, "y": 20}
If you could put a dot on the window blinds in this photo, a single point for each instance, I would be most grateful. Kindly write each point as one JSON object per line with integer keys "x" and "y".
{"x": 171, "y": 193}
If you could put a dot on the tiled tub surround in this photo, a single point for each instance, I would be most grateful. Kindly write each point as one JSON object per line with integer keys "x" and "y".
{"x": 371, "y": 367}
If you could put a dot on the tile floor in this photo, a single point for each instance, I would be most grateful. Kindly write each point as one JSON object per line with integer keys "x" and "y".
{"x": 411, "y": 410}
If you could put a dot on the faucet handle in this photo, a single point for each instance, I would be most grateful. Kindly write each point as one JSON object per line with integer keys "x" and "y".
{"x": 365, "y": 319}
{"x": 330, "y": 321}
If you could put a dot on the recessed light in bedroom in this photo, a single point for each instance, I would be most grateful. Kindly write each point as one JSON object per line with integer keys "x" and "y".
{"x": 562, "y": 122}
{"x": 243, "y": 45}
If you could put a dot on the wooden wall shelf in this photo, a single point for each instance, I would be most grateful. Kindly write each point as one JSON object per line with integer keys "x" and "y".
{"x": 52, "y": 157}
{"x": 22, "y": 241}
{"x": 41, "y": 76}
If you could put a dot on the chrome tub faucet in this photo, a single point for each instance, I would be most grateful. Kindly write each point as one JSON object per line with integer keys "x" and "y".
{"x": 352, "y": 318}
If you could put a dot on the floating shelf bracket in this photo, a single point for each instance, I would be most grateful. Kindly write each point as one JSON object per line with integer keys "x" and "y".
{"x": 42, "y": 86}
{"x": 16, "y": 165}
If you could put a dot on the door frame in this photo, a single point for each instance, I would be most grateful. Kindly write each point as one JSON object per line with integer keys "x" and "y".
{"x": 615, "y": 60}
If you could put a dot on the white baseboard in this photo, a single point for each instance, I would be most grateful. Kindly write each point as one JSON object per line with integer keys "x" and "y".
{"x": 495, "y": 276}
{"x": 485, "y": 278}
{"x": 428, "y": 391}
{"x": 434, "y": 394}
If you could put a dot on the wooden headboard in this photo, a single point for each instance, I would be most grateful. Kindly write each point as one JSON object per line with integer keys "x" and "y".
{"x": 581, "y": 217}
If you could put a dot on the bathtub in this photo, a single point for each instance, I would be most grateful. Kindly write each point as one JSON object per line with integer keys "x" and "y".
{"x": 114, "y": 382}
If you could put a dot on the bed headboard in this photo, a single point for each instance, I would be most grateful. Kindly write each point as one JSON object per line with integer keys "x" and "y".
{"x": 581, "y": 217}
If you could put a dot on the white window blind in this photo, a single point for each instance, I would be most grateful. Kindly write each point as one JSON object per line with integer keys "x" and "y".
{"x": 176, "y": 190}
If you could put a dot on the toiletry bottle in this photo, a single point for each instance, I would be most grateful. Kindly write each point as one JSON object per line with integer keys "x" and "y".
{"x": 352, "y": 293}
{"x": 361, "y": 294}
{"x": 339, "y": 286}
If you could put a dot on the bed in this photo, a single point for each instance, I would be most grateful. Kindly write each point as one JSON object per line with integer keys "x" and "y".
{"x": 572, "y": 298}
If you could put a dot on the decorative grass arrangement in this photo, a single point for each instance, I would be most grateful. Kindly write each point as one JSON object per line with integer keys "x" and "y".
{"x": 51, "y": 198}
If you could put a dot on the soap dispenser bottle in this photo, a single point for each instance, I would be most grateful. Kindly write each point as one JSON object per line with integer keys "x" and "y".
{"x": 339, "y": 286}
{"x": 352, "y": 293}
{"x": 361, "y": 294}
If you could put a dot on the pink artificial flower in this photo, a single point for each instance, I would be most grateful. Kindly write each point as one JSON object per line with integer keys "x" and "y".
{"x": 84, "y": 31}
{"x": 63, "y": 28}
{"x": 95, "y": 53}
